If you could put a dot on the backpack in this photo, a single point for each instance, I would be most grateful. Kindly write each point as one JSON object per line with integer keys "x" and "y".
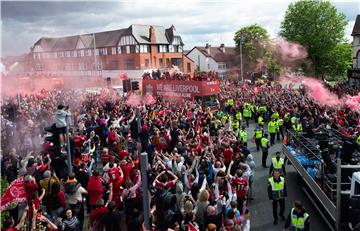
{"x": 71, "y": 188}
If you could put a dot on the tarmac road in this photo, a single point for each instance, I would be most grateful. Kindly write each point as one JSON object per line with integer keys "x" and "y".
{"x": 261, "y": 207}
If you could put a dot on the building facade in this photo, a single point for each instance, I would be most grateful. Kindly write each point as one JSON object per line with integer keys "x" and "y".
{"x": 131, "y": 50}
{"x": 219, "y": 59}
{"x": 356, "y": 43}
{"x": 354, "y": 73}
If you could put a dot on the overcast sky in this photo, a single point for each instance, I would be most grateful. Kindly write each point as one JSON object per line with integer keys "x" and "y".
{"x": 198, "y": 22}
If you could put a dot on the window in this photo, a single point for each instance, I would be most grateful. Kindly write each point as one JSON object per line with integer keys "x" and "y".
{"x": 127, "y": 49}
{"x": 119, "y": 50}
{"x": 133, "y": 49}
{"x": 358, "y": 60}
{"x": 88, "y": 52}
{"x": 114, "y": 64}
{"x": 208, "y": 66}
{"x": 147, "y": 62}
{"x": 81, "y": 66}
{"x": 55, "y": 55}
{"x": 144, "y": 48}
{"x": 75, "y": 53}
{"x": 103, "y": 51}
{"x": 113, "y": 50}
{"x": 180, "y": 49}
{"x": 171, "y": 48}
{"x": 168, "y": 62}
{"x": 129, "y": 64}
{"x": 61, "y": 54}
{"x": 188, "y": 67}
{"x": 96, "y": 51}
{"x": 67, "y": 53}
{"x": 222, "y": 66}
{"x": 38, "y": 67}
{"x": 162, "y": 48}
{"x": 127, "y": 40}
{"x": 161, "y": 62}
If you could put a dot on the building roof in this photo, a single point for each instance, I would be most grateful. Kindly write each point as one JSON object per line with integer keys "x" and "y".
{"x": 356, "y": 29}
{"x": 141, "y": 34}
{"x": 217, "y": 54}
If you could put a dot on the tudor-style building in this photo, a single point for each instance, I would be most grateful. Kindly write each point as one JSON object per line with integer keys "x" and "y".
{"x": 131, "y": 50}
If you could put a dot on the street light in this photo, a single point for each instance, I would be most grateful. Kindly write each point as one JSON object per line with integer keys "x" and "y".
{"x": 241, "y": 59}
{"x": 95, "y": 64}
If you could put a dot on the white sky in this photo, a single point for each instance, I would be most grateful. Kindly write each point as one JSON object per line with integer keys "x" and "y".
{"x": 198, "y": 22}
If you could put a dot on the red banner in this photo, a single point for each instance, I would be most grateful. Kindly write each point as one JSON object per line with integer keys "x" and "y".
{"x": 15, "y": 193}
{"x": 180, "y": 89}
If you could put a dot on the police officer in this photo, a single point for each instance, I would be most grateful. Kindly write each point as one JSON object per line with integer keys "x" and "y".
{"x": 247, "y": 113}
{"x": 277, "y": 163}
{"x": 258, "y": 134}
{"x": 243, "y": 135}
{"x": 229, "y": 104}
{"x": 280, "y": 129}
{"x": 265, "y": 145}
{"x": 272, "y": 129}
{"x": 260, "y": 121}
{"x": 277, "y": 193}
{"x": 297, "y": 126}
{"x": 298, "y": 218}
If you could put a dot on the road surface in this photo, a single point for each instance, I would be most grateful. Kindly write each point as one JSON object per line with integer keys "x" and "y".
{"x": 261, "y": 207}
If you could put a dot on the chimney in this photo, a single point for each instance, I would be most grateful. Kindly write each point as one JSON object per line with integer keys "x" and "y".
{"x": 152, "y": 36}
{"x": 207, "y": 47}
{"x": 222, "y": 47}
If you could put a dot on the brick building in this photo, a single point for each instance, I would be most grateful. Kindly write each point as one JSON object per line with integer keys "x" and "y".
{"x": 131, "y": 50}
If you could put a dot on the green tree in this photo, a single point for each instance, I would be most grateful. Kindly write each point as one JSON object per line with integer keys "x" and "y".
{"x": 339, "y": 60}
{"x": 252, "y": 42}
{"x": 320, "y": 28}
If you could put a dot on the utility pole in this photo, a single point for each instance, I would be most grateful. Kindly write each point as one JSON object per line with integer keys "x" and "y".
{"x": 95, "y": 60}
{"x": 241, "y": 60}
{"x": 70, "y": 169}
{"x": 144, "y": 179}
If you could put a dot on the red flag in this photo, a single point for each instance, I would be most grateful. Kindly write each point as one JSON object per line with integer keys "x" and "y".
{"x": 192, "y": 227}
{"x": 15, "y": 193}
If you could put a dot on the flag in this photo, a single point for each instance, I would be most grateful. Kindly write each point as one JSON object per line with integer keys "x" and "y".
{"x": 192, "y": 227}
{"x": 15, "y": 193}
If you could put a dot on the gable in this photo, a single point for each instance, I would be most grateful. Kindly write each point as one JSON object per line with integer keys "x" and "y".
{"x": 38, "y": 48}
{"x": 80, "y": 44}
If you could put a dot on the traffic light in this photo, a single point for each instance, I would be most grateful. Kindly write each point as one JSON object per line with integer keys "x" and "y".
{"x": 126, "y": 85}
{"x": 135, "y": 85}
{"x": 52, "y": 138}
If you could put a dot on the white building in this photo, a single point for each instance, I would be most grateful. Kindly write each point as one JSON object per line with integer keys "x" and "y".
{"x": 220, "y": 59}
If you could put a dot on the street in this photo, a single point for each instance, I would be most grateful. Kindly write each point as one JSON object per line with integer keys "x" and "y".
{"x": 261, "y": 207}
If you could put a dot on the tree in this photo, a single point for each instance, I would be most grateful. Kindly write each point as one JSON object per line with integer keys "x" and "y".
{"x": 339, "y": 60}
{"x": 252, "y": 42}
{"x": 320, "y": 28}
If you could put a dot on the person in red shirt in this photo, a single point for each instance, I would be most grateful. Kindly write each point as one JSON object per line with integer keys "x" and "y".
{"x": 228, "y": 154}
{"x": 116, "y": 179}
{"x": 126, "y": 166}
{"x": 97, "y": 214}
{"x": 240, "y": 185}
{"x": 95, "y": 189}
{"x": 30, "y": 187}
{"x": 162, "y": 180}
{"x": 56, "y": 203}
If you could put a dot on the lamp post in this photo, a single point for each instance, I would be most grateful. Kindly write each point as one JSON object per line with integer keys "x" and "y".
{"x": 241, "y": 60}
{"x": 95, "y": 60}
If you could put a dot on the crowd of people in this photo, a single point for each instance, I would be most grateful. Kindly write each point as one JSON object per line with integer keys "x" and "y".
{"x": 175, "y": 74}
{"x": 200, "y": 172}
